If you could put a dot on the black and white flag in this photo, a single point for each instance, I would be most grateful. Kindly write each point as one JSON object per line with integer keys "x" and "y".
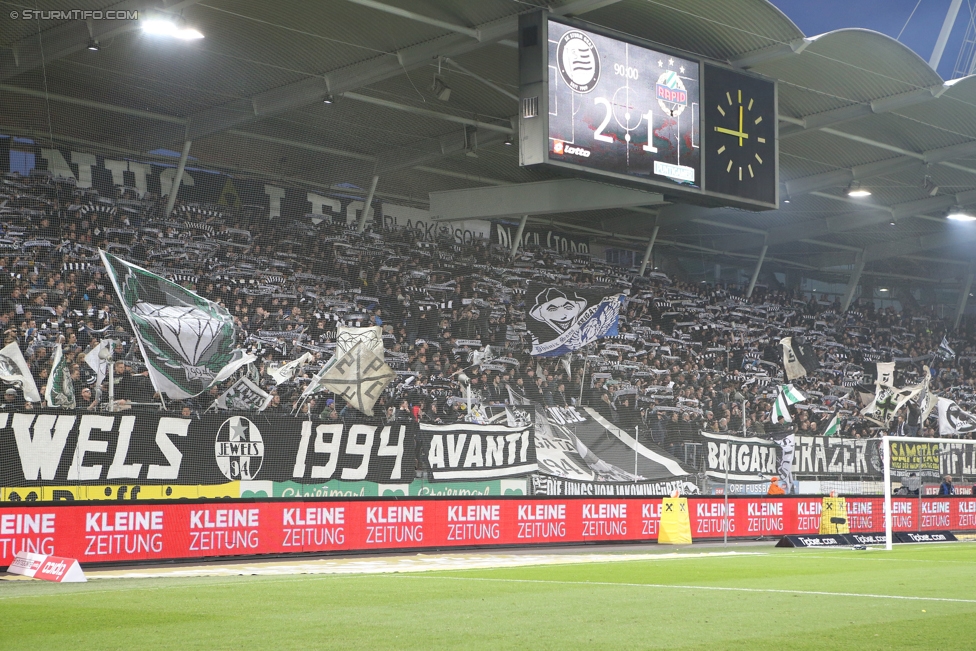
{"x": 289, "y": 370}
{"x": 799, "y": 358}
{"x": 244, "y": 395}
{"x": 14, "y": 370}
{"x": 953, "y": 421}
{"x": 564, "y": 319}
{"x": 945, "y": 352}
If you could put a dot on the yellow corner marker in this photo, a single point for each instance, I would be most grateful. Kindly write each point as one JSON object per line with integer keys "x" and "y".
{"x": 675, "y": 526}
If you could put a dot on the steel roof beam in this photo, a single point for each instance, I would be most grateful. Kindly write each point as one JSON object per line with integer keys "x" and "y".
{"x": 488, "y": 126}
{"x": 807, "y": 123}
{"x": 843, "y": 177}
{"x": 427, "y": 151}
{"x": 403, "y": 13}
{"x": 316, "y": 88}
{"x": 771, "y": 53}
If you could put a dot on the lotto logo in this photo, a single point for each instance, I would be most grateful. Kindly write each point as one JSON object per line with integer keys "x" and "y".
{"x": 577, "y": 151}
{"x": 557, "y": 147}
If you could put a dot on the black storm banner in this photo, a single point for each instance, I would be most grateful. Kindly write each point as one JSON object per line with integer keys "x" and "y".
{"x": 58, "y": 449}
{"x": 468, "y": 451}
{"x": 564, "y": 319}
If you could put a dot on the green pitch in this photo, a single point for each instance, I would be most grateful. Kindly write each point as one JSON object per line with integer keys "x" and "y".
{"x": 915, "y": 597}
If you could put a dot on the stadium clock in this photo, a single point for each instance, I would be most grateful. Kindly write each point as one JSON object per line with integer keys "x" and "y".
{"x": 740, "y": 135}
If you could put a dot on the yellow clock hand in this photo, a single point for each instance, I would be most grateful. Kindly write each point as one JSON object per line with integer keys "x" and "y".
{"x": 737, "y": 134}
{"x": 741, "y": 135}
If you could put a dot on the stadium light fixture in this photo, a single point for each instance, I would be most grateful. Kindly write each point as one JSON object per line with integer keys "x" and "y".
{"x": 959, "y": 215}
{"x": 92, "y": 41}
{"x": 159, "y": 26}
{"x": 441, "y": 90}
{"x": 855, "y": 190}
{"x": 329, "y": 99}
{"x": 883, "y": 289}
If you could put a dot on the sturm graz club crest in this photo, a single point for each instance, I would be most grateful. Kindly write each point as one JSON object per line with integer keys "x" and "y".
{"x": 578, "y": 61}
{"x": 239, "y": 449}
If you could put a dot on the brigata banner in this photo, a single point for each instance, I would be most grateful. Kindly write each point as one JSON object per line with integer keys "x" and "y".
{"x": 741, "y": 458}
{"x": 469, "y": 451}
{"x": 753, "y": 459}
{"x": 57, "y": 449}
{"x": 177, "y": 530}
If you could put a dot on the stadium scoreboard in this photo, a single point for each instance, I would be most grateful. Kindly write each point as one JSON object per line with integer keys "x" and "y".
{"x": 606, "y": 105}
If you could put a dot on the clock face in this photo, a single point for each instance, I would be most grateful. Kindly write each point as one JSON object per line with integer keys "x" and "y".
{"x": 740, "y": 135}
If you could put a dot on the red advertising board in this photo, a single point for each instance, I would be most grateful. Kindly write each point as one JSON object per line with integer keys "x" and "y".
{"x": 97, "y": 532}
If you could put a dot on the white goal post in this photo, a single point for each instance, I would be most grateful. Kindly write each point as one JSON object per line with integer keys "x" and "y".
{"x": 935, "y": 458}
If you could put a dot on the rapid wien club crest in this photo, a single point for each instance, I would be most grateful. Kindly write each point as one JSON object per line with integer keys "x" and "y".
{"x": 672, "y": 96}
{"x": 239, "y": 449}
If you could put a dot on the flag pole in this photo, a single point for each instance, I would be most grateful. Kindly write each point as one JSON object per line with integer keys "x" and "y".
{"x": 636, "y": 444}
{"x": 583, "y": 377}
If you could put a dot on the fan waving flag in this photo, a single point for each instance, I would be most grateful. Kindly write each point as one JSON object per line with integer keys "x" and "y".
{"x": 799, "y": 358}
{"x": 788, "y": 395}
{"x": 60, "y": 390}
{"x": 186, "y": 340}
{"x": 14, "y": 370}
{"x": 564, "y": 319}
{"x": 288, "y": 371}
{"x": 833, "y": 427}
{"x": 945, "y": 352}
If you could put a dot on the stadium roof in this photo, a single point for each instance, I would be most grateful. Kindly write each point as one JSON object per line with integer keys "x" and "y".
{"x": 854, "y": 105}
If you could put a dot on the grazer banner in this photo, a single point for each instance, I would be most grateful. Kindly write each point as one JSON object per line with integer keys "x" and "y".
{"x": 125, "y": 533}
{"x": 61, "y": 449}
{"x": 469, "y": 451}
{"x": 831, "y": 457}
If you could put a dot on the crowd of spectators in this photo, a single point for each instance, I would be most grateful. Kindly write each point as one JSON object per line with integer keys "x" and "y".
{"x": 688, "y": 356}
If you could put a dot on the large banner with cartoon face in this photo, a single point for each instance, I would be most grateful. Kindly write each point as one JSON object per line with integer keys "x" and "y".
{"x": 564, "y": 319}
{"x": 155, "y": 451}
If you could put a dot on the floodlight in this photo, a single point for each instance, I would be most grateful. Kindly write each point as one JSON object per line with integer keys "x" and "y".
{"x": 93, "y": 45}
{"x": 441, "y": 90}
{"x": 855, "y": 190}
{"x": 961, "y": 216}
{"x": 170, "y": 27}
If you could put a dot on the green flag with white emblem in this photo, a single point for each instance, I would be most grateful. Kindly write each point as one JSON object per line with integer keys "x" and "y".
{"x": 186, "y": 340}
{"x": 60, "y": 390}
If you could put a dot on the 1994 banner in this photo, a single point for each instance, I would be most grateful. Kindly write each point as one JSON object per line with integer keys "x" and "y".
{"x": 49, "y": 449}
